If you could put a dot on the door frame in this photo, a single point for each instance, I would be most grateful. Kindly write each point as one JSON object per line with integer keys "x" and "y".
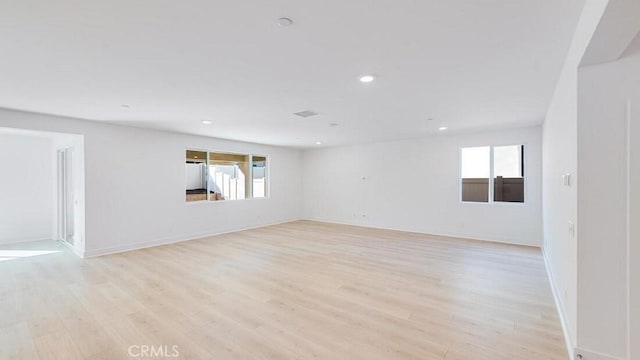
{"x": 64, "y": 177}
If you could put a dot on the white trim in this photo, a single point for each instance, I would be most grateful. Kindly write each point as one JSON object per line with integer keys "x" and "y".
{"x": 248, "y": 178}
{"x": 559, "y": 307}
{"x": 592, "y": 355}
{"x": 629, "y": 226}
{"x": 460, "y": 174}
{"x": 78, "y": 252}
{"x": 200, "y": 202}
{"x": 173, "y": 240}
{"x": 491, "y": 180}
{"x": 495, "y": 203}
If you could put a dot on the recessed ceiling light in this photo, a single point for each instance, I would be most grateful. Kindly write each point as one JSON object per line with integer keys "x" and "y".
{"x": 207, "y": 122}
{"x": 285, "y": 21}
{"x": 195, "y": 156}
{"x": 442, "y": 128}
{"x": 367, "y": 78}
{"x": 318, "y": 142}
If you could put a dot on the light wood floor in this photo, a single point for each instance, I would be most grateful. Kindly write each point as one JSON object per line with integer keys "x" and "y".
{"x": 295, "y": 291}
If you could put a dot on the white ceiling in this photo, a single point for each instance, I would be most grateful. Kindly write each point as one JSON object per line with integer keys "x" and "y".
{"x": 468, "y": 64}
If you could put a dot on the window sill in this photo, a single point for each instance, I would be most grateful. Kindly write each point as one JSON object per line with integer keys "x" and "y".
{"x": 497, "y": 203}
{"x": 200, "y": 202}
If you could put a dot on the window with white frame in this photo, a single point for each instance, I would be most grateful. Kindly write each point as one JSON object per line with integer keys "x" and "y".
{"x": 259, "y": 176}
{"x": 492, "y": 174}
{"x": 216, "y": 176}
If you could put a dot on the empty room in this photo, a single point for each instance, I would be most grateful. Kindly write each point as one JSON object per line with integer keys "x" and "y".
{"x": 365, "y": 179}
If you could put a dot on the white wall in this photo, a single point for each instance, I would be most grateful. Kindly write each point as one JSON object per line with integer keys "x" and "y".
{"x": 634, "y": 228}
{"x": 607, "y": 103}
{"x": 559, "y": 157}
{"x": 413, "y": 185}
{"x": 135, "y": 183}
{"x": 26, "y": 195}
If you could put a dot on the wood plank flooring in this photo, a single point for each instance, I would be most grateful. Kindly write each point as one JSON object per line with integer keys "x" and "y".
{"x": 301, "y": 290}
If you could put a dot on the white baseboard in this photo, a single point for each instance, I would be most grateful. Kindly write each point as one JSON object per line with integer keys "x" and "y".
{"x": 78, "y": 252}
{"x": 466, "y": 236}
{"x": 592, "y": 355}
{"x": 13, "y": 242}
{"x": 173, "y": 240}
{"x": 560, "y": 307}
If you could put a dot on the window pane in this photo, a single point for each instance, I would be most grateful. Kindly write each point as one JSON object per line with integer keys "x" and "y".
{"x": 259, "y": 171}
{"x": 195, "y": 175}
{"x": 227, "y": 176}
{"x": 508, "y": 169}
{"x": 475, "y": 170}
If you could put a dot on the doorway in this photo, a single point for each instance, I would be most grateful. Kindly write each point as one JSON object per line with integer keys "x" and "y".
{"x": 66, "y": 198}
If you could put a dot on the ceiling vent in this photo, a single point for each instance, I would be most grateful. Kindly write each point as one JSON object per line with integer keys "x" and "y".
{"x": 306, "y": 113}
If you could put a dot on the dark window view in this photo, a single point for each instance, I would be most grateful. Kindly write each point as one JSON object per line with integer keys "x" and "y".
{"x": 196, "y": 175}
{"x": 508, "y": 169}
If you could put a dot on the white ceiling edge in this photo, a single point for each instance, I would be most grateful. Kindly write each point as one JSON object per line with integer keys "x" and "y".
{"x": 617, "y": 28}
{"x": 18, "y": 131}
{"x": 12, "y": 131}
{"x": 441, "y": 134}
{"x": 8, "y": 130}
